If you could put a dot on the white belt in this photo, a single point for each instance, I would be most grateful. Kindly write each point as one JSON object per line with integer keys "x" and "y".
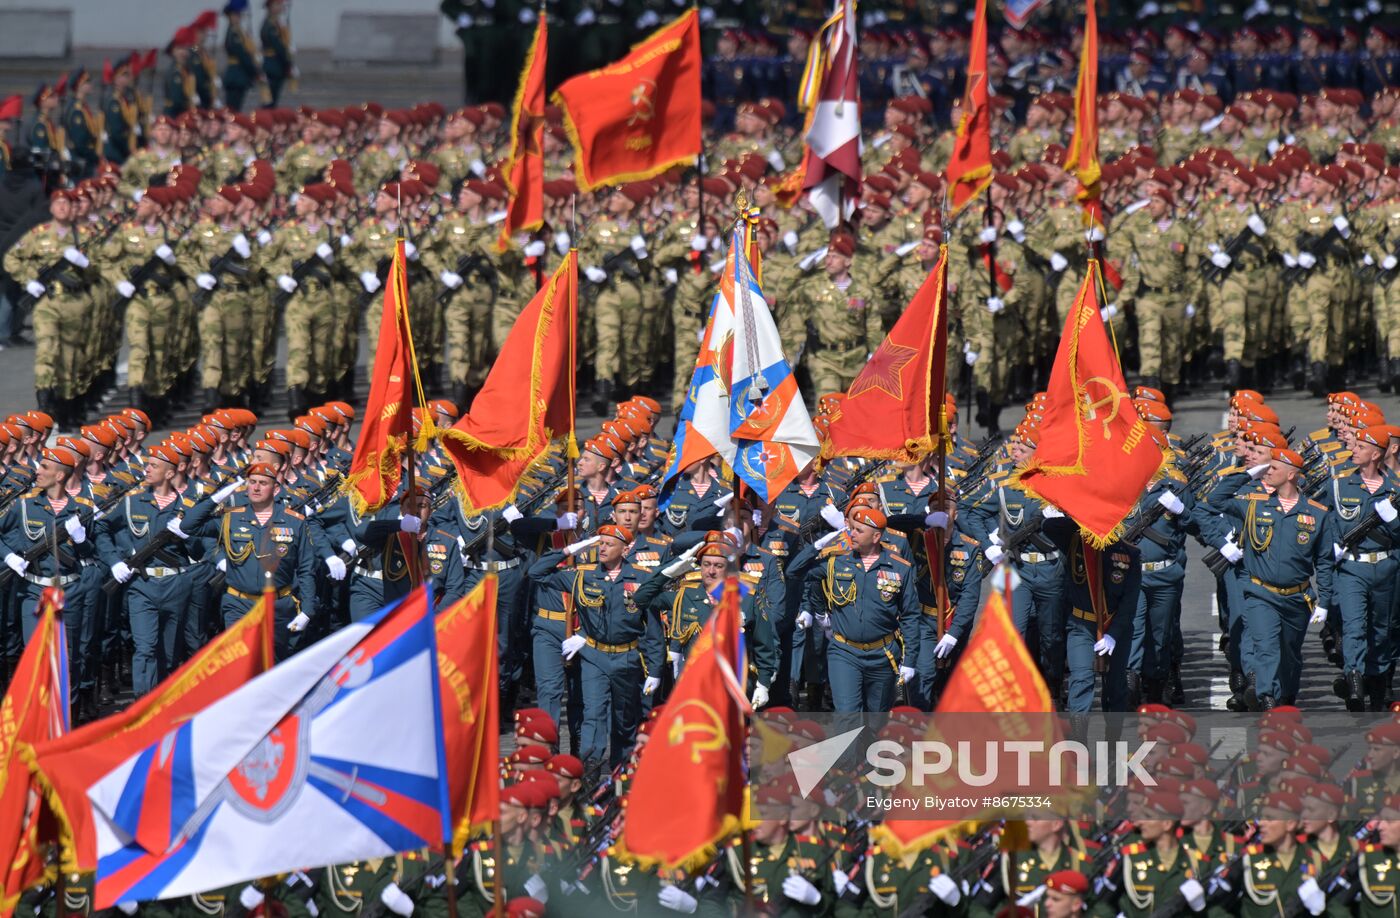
{"x": 366, "y": 572}
{"x": 1369, "y": 557}
{"x": 1157, "y": 565}
{"x": 163, "y": 571}
{"x": 1035, "y": 557}
{"x": 493, "y": 565}
{"x": 62, "y": 580}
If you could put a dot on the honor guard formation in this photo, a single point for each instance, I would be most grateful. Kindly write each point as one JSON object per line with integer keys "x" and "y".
{"x": 199, "y": 267}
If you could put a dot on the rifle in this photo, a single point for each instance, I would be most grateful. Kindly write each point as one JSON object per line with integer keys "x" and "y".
{"x": 8, "y": 496}
{"x": 230, "y": 262}
{"x": 1343, "y": 875}
{"x": 160, "y": 540}
{"x": 624, "y": 260}
{"x": 1319, "y": 247}
{"x": 1216, "y": 275}
{"x": 87, "y": 518}
{"x": 968, "y": 872}
{"x": 316, "y": 501}
{"x": 473, "y": 265}
{"x": 152, "y": 269}
{"x": 500, "y": 527}
{"x": 61, "y": 266}
{"x": 1370, "y": 526}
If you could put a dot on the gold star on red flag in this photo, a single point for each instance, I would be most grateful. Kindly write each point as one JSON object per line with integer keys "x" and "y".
{"x": 884, "y": 371}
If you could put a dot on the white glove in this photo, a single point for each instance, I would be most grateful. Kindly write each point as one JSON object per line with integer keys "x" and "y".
{"x": 1015, "y": 227}
{"x": 841, "y": 881}
{"x": 800, "y": 889}
{"x": 336, "y": 567}
{"x": 671, "y": 275}
{"x": 465, "y": 20}
{"x": 1221, "y": 260}
{"x": 803, "y": 621}
{"x": 1257, "y": 471}
{"x": 775, "y": 159}
{"x": 596, "y": 275}
{"x": 126, "y": 288}
{"x": 995, "y": 304}
{"x": 1190, "y": 310}
{"x": 1388, "y": 262}
{"x": 263, "y": 237}
{"x": 287, "y": 283}
{"x": 536, "y": 887}
{"x": 567, "y": 520}
{"x": 1231, "y": 552}
{"x": 450, "y": 279}
{"x": 16, "y": 563}
{"x": 410, "y": 251}
{"x": 561, "y": 242}
{"x": 699, "y": 243}
{"x": 824, "y": 620}
{"x": 1052, "y": 512}
{"x": 585, "y": 17}
{"x": 535, "y": 248}
{"x": 165, "y": 254}
{"x": 120, "y": 572}
{"x": 223, "y": 493}
{"x": 677, "y": 900}
{"x": 74, "y": 257}
{"x": 994, "y": 553}
{"x": 1171, "y": 502}
{"x": 1319, "y": 615}
{"x": 1194, "y": 894}
{"x": 299, "y": 623}
{"x": 970, "y": 357}
{"x": 222, "y": 566}
{"x": 396, "y": 900}
{"x": 37, "y": 289}
{"x": 574, "y": 548}
{"x": 1104, "y": 646}
{"x": 639, "y": 246}
{"x": 1290, "y": 259}
{"x": 833, "y": 517}
{"x": 907, "y": 247}
{"x": 945, "y": 889}
{"x": 1256, "y": 225}
{"x": 1385, "y": 510}
{"x": 1096, "y": 234}
{"x": 76, "y": 532}
{"x": 349, "y": 546}
{"x": 946, "y": 644}
{"x": 128, "y": 907}
{"x": 173, "y": 527}
{"x": 722, "y": 502}
{"x": 1311, "y": 895}
{"x": 511, "y": 513}
{"x": 527, "y": 16}
{"x": 241, "y": 246}
{"x": 477, "y": 167}
{"x": 650, "y": 685}
{"x": 1342, "y": 226}
{"x": 410, "y": 523}
{"x": 1058, "y": 262}
{"x": 369, "y": 281}
{"x": 790, "y": 240}
{"x": 827, "y": 539}
{"x": 571, "y": 645}
{"x": 760, "y": 696}
{"x": 251, "y": 897}
{"x": 206, "y": 281}
{"x": 1338, "y": 552}
{"x": 1109, "y": 312}
{"x": 988, "y": 234}
{"x": 1306, "y": 260}
{"x": 683, "y": 562}
{"x": 907, "y": 674}
{"x": 936, "y": 520}
{"x": 325, "y": 252}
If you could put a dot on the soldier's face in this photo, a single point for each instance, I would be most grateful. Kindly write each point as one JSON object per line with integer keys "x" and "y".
{"x": 712, "y": 570}
{"x": 1363, "y": 453}
{"x": 1194, "y": 807}
{"x": 1060, "y": 904}
{"x": 837, "y": 263}
{"x": 1389, "y": 830}
{"x": 627, "y": 515}
{"x": 646, "y": 515}
{"x": 260, "y": 489}
{"x": 61, "y": 208}
{"x": 590, "y": 464}
{"x": 1273, "y": 830}
{"x": 610, "y": 550}
{"x": 49, "y": 473}
{"x": 1279, "y": 473}
{"x": 864, "y": 537}
{"x": 1381, "y": 756}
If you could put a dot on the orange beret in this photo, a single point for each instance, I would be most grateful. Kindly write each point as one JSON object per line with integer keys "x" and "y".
{"x": 1287, "y": 457}
{"x": 621, "y": 533}
{"x": 870, "y": 516}
{"x": 62, "y": 456}
{"x": 264, "y": 469}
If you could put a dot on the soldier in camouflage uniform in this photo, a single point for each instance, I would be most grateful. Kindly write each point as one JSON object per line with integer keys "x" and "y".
{"x": 622, "y": 331}
{"x": 1156, "y": 270}
{"x": 839, "y": 308}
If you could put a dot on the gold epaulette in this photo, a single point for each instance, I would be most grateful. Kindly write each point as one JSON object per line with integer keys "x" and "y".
{"x": 1315, "y": 505}
{"x": 293, "y": 513}
{"x": 1229, "y": 470}
{"x": 1320, "y": 434}
{"x": 1343, "y": 473}
{"x": 585, "y": 567}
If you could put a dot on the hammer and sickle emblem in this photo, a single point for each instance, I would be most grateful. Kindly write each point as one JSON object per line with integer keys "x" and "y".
{"x": 709, "y": 727}
{"x": 643, "y": 102}
{"x": 1113, "y": 399}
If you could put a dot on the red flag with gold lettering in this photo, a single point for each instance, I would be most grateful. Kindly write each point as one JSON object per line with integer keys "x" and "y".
{"x": 374, "y": 473}
{"x": 527, "y": 401}
{"x": 65, "y": 768}
{"x": 970, "y": 166}
{"x": 466, "y": 642}
{"x": 995, "y": 681}
{"x": 35, "y": 709}
{"x": 524, "y": 171}
{"x": 894, "y": 408}
{"x": 640, "y": 116}
{"x": 1095, "y": 457}
{"x": 693, "y": 755}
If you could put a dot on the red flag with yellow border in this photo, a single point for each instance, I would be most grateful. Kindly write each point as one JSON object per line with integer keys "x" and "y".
{"x": 524, "y": 171}
{"x": 970, "y": 166}
{"x": 693, "y": 755}
{"x": 374, "y": 473}
{"x": 640, "y": 116}
{"x": 467, "y": 674}
{"x": 1082, "y": 156}
{"x": 1095, "y": 456}
{"x": 527, "y": 400}
{"x": 66, "y": 767}
{"x": 895, "y": 407}
{"x": 35, "y": 709}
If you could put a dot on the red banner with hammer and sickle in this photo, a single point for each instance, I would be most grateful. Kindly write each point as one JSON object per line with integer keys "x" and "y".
{"x": 1095, "y": 455}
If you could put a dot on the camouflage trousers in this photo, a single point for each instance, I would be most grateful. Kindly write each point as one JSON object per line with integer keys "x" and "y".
{"x": 262, "y": 333}
{"x": 61, "y": 329}
{"x": 225, "y": 342}
{"x": 621, "y": 326}
{"x": 1385, "y": 302}
{"x": 1316, "y": 315}
{"x": 1161, "y": 317}
{"x": 150, "y": 336}
{"x": 467, "y": 327}
{"x": 1233, "y": 305}
{"x": 834, "y": 369}
{"x": 308, "y": 321}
